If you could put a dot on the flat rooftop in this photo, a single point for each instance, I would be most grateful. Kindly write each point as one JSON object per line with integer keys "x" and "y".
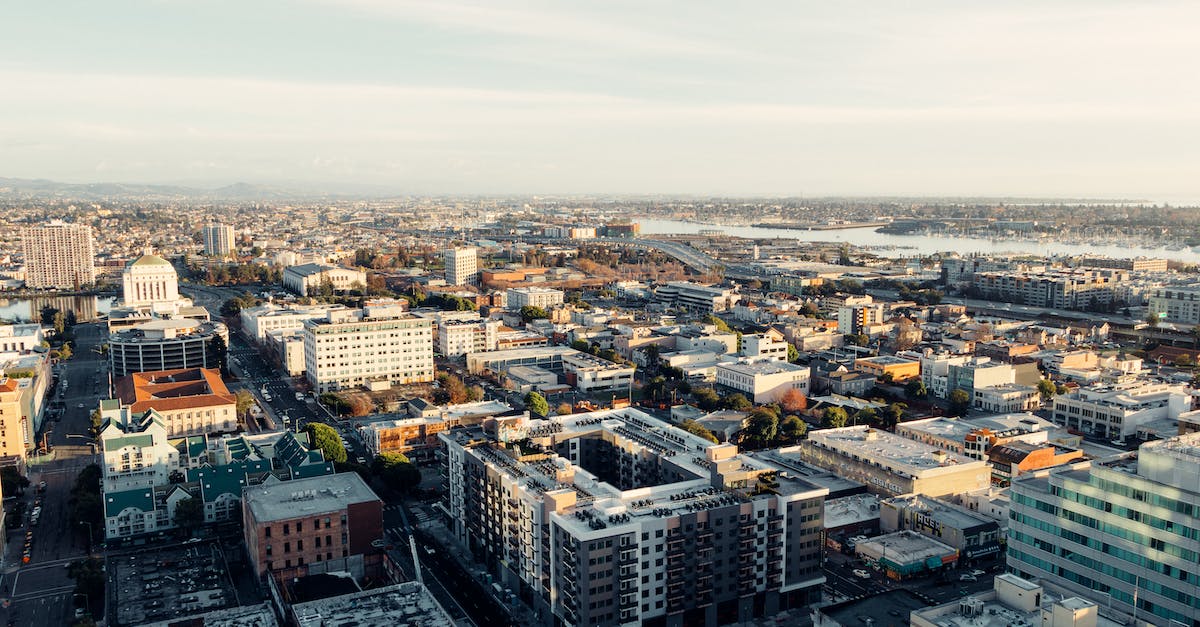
{"x": 409, "y": 604}
{"x": 306, "y": 497}
{"x": 763, "y": 368}
{"x": 243, "y": 616}
{"x": 952, "y": 515}
{"x": 887, "y": 360}
{"x": 888, "y": 449}
{"x": 991, "y": 612}
{"x": 849, "y": 510}
{"x": 904, "y": 547}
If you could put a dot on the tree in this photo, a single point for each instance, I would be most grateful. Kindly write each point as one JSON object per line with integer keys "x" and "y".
{"x": 537, "y": 404}
{"x": 793, "y": 401}
{"x": 834, "y": 418}
{"x": 88, "y": 574}
{"x": 960, "y": 401}
{"x": 706, "y": 399}
{"x": 189, "y": 514}
{"x": 218, "y": 350}
{"x": 231, "y": 308}
{"x": 792, "y": 428}
{"x": 360, "y": 405}
{"x": 717, "y": 322}
{"x": 475, "y": 393}
{"x": 581, "y": 346}
{"x": 396, "y": 471}
{"x": 858, "y": 339}
{"x": 12, "y": 482}
{"x": 1152, "y": 319}
{"x": 915, "y": 389}
{"x": 455, "y": 388}
{"x": 737, "y": 402}
{"x": 762, "y": 426}
{"x": 86, "y": 502}
{"x": 793, "y": 355}
{"x": 1046, "y": 388}
{"x": 866, "y": 416}
{"x": 655, "y": 388}
{"x": 691, "y": 426}
{"x": 245, "y": 400}
{"x": 530, "y": 313}
{"x": 563, "y": 409}
{"x": 893, "y": 413}
{"x": 325, "y": 438}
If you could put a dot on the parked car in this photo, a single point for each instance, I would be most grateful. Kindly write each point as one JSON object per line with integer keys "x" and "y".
{"x": 861, "y": 574}
{"x": 968, "y": 577}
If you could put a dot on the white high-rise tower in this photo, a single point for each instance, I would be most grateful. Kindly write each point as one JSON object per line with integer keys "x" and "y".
{"x": 59, "y": 255}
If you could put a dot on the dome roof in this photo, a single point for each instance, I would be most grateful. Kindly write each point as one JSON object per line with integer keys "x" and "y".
{"x": 150, "y": 260}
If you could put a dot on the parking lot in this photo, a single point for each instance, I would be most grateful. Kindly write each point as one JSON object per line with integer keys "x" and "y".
{"x": 170, "y": 583}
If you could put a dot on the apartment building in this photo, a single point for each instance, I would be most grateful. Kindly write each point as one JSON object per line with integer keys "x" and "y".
{"x": 892, "y": 465}
{"x": 311, "y": 526}
{"x": 1116, "y": 411}
{"x": 615, "y": 517}
{"x": 462, "y": 266}
{"x": 371, "y": 347}
{"x": 897, "y": 369}
{"x": 459, "y": 337}
{"x": 1124, "y": 531}
{"x": 1176, "y": 304}
{"x": 588, "y": 373}
{"x": 769, "y": 345}
{"x": 855, "y": 319}
{"x": 1058, "y": 289}
{"x": 413, "y": 433}
{"x": 260, "y": 321}
{"x": 696, "y": 298}
{"x": 1136, "y": 264}
{"x": 218, "y": 240}
{"x": 59, "y": 255}
{"x": 764, "y": 381}
{"x": 308, "y": 279}
{"x": 543, "y": 297}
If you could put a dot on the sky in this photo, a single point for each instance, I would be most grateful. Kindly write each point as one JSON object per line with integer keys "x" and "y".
{"x": 1082, "y": 99}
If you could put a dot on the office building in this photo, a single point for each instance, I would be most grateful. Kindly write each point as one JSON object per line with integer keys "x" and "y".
{"x": 459, "y": 337}
{"x": 892, "y": 465}
{"x": 1115, "y": 412}
{"x": 218, "y": 240}
{"x": 20, "y": 338}
{"x": 1014, "y": 601}
{"x": 896, "y": 369}
{"x": 543, "y": 297}
{"x": 769, "y": 345}
{"x": 1124, "y": 530}
{"x": 615, "y": 517}
{"x": 547, "y": 357}
{"x": 174, "y": 344}
{"x": 189, "y": 401}
{"x": 764, "y": 381}
{"x": 258, "y": 322}
{"x": 316, "y": 525}
{"x": 59, "y": 256}
{"x": 311, "y": 279}
{"x": 373, "y": 347}
{"x": 1176, "y": 304}
{"x": 462, "y": 266}
{"x": 973, "y": 535}
{"x": 696, "y": 298}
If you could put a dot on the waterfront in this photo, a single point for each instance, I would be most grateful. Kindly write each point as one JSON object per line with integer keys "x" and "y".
{"x": 86, "y": 308}
{"x": 912, "y": 245}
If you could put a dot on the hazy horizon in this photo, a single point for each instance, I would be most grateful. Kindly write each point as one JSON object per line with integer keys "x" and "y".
{"x": 1022, "y": 100}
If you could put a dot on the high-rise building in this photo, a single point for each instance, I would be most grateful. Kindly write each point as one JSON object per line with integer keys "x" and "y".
{"x": 218, "y": 240}
{"x": 1124, "y": 531}
{"x": 59, "y": 255}
{"x": 370, "y": 346}
{"x": 462, "y": 266}
{"x": 149, "y": 280}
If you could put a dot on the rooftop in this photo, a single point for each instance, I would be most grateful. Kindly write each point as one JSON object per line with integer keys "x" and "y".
{"x": 849, "y": 510}
{"x": 260, "y": 615}
{"x": 763, "y": 368}
{"x": 167, "y": 390}
{"x": 950, "y": 514}
{"x": 904, "y": 547}
{"x": 409, "y": 604}
{"x": 306, "y": 497}
{"x": 890, "y": 450}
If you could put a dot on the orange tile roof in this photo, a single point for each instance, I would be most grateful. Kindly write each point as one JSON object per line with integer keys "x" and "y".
{"x": 170, "y": 390}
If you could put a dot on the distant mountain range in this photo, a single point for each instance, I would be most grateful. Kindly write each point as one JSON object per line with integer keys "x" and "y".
{"x": 14, "y": 188}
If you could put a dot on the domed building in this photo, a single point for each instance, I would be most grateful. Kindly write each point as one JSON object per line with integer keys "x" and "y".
{"x": 150, "y": 280}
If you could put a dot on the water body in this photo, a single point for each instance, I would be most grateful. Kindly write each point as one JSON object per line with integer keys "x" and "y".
{"x": 86, "y": 308}
{"x": 912, "y": 245}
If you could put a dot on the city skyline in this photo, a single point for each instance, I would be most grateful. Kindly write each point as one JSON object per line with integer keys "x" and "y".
{"x": 421, "y": 98}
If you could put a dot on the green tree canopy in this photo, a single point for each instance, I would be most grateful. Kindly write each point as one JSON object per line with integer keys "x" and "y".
{"x": 737, "y": 402}
{"x": 537, "y": 404}
{"x": 915, "y": 389}
{"x": 707, "y": 399}
{"x": 530, "y": 313}
{"x": 792, "y": 428}
{"x": 324, "y": 437}
{"x": 691, "y": 426}
{"x": 762, "y": 426}
{"x": 1047, "y": 389}
{"x": 834, "y": 417}
{"x": 793, "y": 355}
{"x": 960, "y": 401}
{"x": 189, "y": 514}
{"x": 396, "y": 471}
{"x": 717, "y": 322}
{"x": 12, "y": 482}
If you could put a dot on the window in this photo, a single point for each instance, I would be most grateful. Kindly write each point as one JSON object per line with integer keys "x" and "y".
{"x": 268, "y": 531}
{"x": 286, "y": 529}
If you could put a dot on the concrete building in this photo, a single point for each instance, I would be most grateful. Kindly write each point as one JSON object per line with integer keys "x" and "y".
{"x": 462, "y": 266}
{"x": 309, "y": 278}
{"x": 588, "y": 374}
{"x": 20, "y": 338}
{"x": 260, "y": 321}
{"x": 855, "y": 319}
{"x": 544, "y": 297}
{"x": 892, "y": 465}
{"x": 59, "y": 255}
{"x": 1125, "y": 530}
{"x": 764, "y": 382}
{"x": 218, "y": 240}
{"x": 885, "y": 609}
{"x": 189, "y": 401}
{"x": 316, "y": 525}
{"x": 409, "y": 604}
{"x": 1009, "y": 398}
{"x": 615, "y": 517}
{"x": 1058, "y": 289}
{"x": 1136, "y": 264}
{"x": 769, "y": 345}
{"x": 898, "y": 368}
{"x": 459, "y": 337}
{"x": 1116, "y": 411}
{"x": 414, "y": 432}
{"x": 906, "y": 554}
{"x": 375, "y": 347}
{"x": 547, "y": 357}
{"x": 973, "y": 535}
{"x": 1014, "y": 601}
{"x": 1176, "y": 304}
{"x": 973, "y": 438}
{"x": 151, "y": 282}
{"x": 696, "y": 298}
{"x": 1014, "y": 459}
{"x": 174, "y": 344}
{"x": 935, "y": 371}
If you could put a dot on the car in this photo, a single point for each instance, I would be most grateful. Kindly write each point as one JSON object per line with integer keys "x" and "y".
{"x": 978, "y": 573}
{"x": 80, "y": 406}
{"x": 968, "y": 577}
{"x": 861, "y": 574}
{"x": 300, "y": 396}
{"x": 266, "y": 397}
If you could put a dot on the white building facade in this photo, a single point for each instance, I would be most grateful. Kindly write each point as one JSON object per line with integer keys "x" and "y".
{"x": 218, "y": 240}
{"x": 462, "y": 266}
{"x": 354, "y": 347}
{"x": 764, "y": 382}
{"x": 543, "y": 297}
{"x": 59, "y": 255}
